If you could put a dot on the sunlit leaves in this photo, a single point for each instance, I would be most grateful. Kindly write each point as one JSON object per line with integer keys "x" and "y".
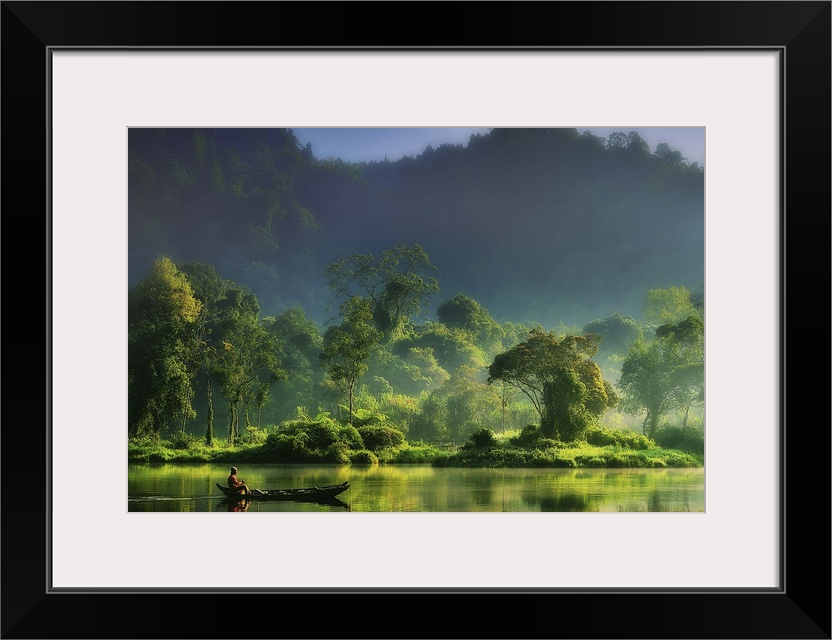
{"x": 396, "y": 284}
{"x": 665, "y": 374}
{"x": 348, "y": 346}
{"x": 557, "y": 375}
{"x": 162, "y": 314}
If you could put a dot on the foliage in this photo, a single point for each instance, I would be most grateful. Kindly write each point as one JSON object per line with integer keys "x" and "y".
{"x": 528, "y": 436}
{"x": 669, "y": 306}
{"x": 690, "y": 440}
{"x": 253, "y": 435}
{"x": 618, "y": 333}
{"x": 429, "y": 423}
{"x": 316, "y": 434}
{"x": 348, "y": 346}
{"x": 665, "y": 374}
{"x": 463, "y": 312}
{"x": 452, "y": 347}
{"x": 377, "y": 437}
{"x": 300, "y": 344}
{"x": 556, "y": 374}
{"x": 418, "y": 453}
{"x": 395, "y": 284}
{"x": 411, "y": 372}
{"x": 600, "y": 436}
{"x": 161, "y": 335}
{"x": 349, "y": 436}
{"x": 337, "y": 453}
{"x": 246, "y": 362}
{"x": 483, "y": 438}
{"x": 180, "y": 440}
{"x": 363, "y": 456}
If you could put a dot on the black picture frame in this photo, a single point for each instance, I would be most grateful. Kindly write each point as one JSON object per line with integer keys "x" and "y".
{"x": 800, "y": 608}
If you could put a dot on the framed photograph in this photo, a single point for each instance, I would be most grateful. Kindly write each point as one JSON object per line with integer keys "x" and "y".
{"x": 754, "y": 76}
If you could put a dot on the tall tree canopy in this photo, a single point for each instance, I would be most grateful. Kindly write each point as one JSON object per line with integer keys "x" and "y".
{"x": 247, "y": 361}
{"x": 162, "y": 315}
{"x": 348, "y": 346}
{"x": 665, "y": 374}
{"x": 558, "y": 376}
{"x": 396, "y": 284}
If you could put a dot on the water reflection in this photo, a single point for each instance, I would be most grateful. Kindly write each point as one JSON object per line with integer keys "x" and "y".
{"x": 566, "y": 502}
{"x": 245, "y": 504}
{"x": 422, "y": 488}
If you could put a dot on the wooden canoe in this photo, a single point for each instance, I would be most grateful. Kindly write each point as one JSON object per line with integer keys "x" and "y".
{"x": 313, "y": 494}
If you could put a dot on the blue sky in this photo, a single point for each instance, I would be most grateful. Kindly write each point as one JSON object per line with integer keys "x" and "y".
{"x": 357, "y": 144}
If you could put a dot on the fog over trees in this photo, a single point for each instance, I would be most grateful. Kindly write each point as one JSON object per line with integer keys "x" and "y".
{"x": 537, "y": 225}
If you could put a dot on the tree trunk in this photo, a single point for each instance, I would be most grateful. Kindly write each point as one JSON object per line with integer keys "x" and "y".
{"x": 209, "y": 433}
{"x": 237, "y": 417}
{"x": 654, "y": 423}
{"x": 548, "y": 426}
{"x": 232, "y": 418}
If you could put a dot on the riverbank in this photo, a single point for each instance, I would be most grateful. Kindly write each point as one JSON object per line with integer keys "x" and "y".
{"x": 485, "y": 449}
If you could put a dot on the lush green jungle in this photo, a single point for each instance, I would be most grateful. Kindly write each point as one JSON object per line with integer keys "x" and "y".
{"x": 532, "y": 299}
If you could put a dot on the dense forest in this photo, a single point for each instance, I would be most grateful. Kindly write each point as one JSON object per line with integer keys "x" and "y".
{"x": 538, "y": 225}
{"x": 535, "y": 281}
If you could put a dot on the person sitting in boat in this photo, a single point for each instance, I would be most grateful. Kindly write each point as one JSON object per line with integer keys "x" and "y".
{"x": 240, "y": 485}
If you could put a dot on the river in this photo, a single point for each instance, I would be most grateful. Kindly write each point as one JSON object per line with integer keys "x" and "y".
{"x": 189, "y": 488}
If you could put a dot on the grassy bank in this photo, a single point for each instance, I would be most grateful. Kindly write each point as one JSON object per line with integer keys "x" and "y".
{"x": 315, "y": 443}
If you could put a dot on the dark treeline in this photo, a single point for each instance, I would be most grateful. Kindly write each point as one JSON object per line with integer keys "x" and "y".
{"x": 538, "y": 225}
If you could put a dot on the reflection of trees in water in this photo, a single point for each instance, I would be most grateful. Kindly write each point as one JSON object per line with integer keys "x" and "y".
{"x": 654, "y": 500}
{"x": 566, "y": 502}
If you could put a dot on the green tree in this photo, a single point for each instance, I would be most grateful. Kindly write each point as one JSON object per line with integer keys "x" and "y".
{"x": 301, "y": 343}
{"x": 429, "y": 422}
{"x": 557, "y": 375}
{"x": 453, "y": 347}
{"x": 687, "y": 346}
{"x": 618, "y": 333}
{"x": 463, "y": 312}
{"x": 664, "y": 374}
{"x": 247, "y": 359}
{"x": 470, "y": 404}
{"x": 348, "y": 346}
{"x": 396, "y": 284}
{"x": 210, "y": 290}
{"x": 162, "y": 314}
{"x": 670, "y": 305}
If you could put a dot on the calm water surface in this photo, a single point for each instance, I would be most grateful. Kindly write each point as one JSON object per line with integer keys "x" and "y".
{"x": 422, "y": 488}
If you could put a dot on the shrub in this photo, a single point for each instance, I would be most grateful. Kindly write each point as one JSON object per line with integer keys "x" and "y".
{"x": 253, "y": 435}
{"x": 350, "y": 437}
{"x": 288, "y": 448}
{"x": 377, "y": 437}
{"x": 320, "y": 433}
{"x": 180, "y": 441}
{"x": 680, "y": 460}
{"x": 691, "y": 440}
{"x": 603, "y": 437}
{"x": 529, "y": 435}
{"x": 364, "y": 457}
{"x": 548, "y": 443}
{"x": 483, "y": 438}
{"x": 337, "y": 453}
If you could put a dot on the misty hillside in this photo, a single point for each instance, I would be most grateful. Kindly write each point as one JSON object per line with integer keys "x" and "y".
{"x": 538, "y": 225}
